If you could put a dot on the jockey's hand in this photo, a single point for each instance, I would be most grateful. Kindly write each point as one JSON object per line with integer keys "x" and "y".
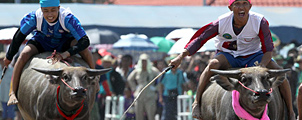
{"x": 58, "y": 57}
{"x": 6, "y": 62}
{"x": 176, "y": 62}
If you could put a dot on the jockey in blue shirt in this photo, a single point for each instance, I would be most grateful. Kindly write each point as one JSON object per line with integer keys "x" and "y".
{"x": 55, "y": 28}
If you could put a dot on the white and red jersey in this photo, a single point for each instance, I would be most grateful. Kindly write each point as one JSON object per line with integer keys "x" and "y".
{"x": 248, "y": 41}
{"x": 253, "y": 37}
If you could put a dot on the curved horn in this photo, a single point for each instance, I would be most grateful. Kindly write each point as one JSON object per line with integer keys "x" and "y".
{"x": 277, "y": 72}
{"x": 56, "y": 72}
{"x": 227, "y": 73}
{"x": 95, "y": 72}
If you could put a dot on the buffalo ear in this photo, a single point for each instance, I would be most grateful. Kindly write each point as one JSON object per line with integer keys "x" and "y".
{"x": 51, "y": 74}
{"x": 225, "y": 82}
{"x": 277, "y": 76}
{"x": 53, "y": 79}
{"x": 276, "y": 81}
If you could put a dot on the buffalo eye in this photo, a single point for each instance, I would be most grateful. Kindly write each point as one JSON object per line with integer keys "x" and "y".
{"x": 243, "y": 79}
{"x": 91, "y": 77}
{"x": 85, "y": 77}
{"x": 66, "y": 77}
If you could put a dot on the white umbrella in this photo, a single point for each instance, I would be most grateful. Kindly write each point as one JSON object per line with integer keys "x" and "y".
{"x": 180, "y": 33}
{"x": 179, "y": 46}
{"x": 7, "y": 34}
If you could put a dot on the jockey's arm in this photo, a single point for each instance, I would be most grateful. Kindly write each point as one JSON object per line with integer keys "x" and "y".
{"x": 18, "y": 38}
{"x": 267, "y": 56}
{"x": 82, "y": 44}
{"x": 267, "y": 44}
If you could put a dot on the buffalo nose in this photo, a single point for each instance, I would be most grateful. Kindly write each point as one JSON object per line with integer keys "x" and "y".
{"x": 80, "y": 90}
{"x": 261, "y": 93}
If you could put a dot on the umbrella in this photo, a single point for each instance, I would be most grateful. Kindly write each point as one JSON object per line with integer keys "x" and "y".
{"x": 179, "y": 46}
{"x": 180, "y": 33}
{"x": 7, "y": 34}
{"x": 102, "y": 36}
{"x": 162, "y": 43}
{"x": 134, "y": 42}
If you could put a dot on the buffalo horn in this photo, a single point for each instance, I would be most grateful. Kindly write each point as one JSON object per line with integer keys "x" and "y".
{"x": 227, "y": 73}
{"x": 277, "y": 72}
{"x": 95, "y": 72}
{"x": 56, "y": 72}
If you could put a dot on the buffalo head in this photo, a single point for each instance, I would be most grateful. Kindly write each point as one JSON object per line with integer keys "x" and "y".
{"x": 80, "y": 80}
{"x": 256, "y": 83}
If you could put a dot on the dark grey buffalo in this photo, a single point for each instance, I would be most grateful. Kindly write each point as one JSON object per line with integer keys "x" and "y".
{"x": 217, "y": 98}
{"x": 37, "y": 93}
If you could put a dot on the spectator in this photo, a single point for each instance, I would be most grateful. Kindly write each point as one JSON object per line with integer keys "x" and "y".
{"x": 192, "y": 86}
{"x": 98, "y": 110}
{"x": 115, "y": 80}
{"x": 129, "y": 98}
{"x": 279, "y": 59}
{"x": 161, "y": 65}
{"x": 143, "y": 73}
{"x": 170, "y": 86}
{"x": 125, "y": 67}
{"x": 8, "y": 111}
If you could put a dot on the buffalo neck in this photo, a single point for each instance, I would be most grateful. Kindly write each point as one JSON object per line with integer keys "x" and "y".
{"x": 251, "y": 109}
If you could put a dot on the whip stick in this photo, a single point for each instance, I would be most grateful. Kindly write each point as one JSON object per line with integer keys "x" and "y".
{"x": 163, "y": 72}
{"x": 3, "y": 72}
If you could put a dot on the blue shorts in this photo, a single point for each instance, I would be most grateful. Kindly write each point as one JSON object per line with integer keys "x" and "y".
{"x": 241, "y": 62}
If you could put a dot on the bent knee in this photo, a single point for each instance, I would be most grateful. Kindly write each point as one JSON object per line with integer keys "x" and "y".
{"x": 25, "y": 55}
{"x": 300, "y": 89}
{"x": 214, "y": 64}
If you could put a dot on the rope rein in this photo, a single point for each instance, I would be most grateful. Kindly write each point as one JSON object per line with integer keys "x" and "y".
{"x": 69, "y": 85}
{"x": 271, "y": 90}
{"x": 53, "y": 56}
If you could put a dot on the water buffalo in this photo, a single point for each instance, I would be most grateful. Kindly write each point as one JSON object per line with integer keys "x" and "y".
{"x": 254, "y": 86}
{"x": 41, "y": 98}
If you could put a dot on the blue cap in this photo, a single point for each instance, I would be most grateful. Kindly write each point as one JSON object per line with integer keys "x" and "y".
{"x": 49, "y": 3}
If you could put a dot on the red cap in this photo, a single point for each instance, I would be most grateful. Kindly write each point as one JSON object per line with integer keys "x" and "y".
{"x": 231, "y": 1}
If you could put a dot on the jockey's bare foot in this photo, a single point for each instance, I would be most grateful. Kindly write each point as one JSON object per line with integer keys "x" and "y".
{"x": 196, "y": 111}
{"x": 12, "y": 99}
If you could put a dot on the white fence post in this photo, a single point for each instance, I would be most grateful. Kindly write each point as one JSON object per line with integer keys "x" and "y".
{"x": 184, "y": 109}
{"x": 114, "y": 109}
